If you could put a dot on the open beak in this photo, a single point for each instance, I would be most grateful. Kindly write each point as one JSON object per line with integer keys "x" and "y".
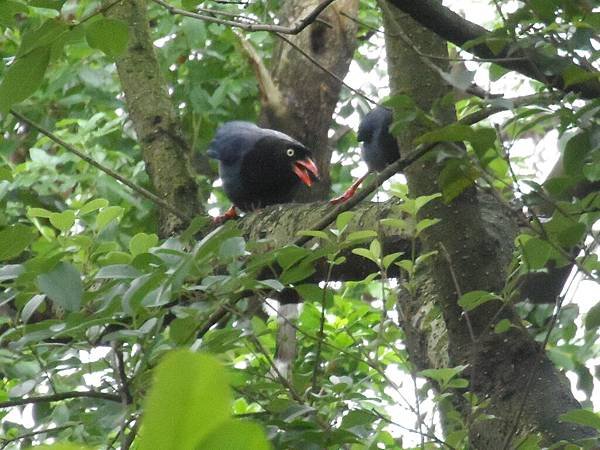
{"x": 304, "y": 168}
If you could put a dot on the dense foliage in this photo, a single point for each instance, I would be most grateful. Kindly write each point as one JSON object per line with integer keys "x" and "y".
{"x": 92, "y": 299}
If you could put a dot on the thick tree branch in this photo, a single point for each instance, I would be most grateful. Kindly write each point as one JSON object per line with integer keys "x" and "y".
{"x": 164, "y": 147}
{"x": 450, "y": 26}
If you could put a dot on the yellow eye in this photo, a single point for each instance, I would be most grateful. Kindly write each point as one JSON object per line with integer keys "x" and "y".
{"x": 290, "y": 152}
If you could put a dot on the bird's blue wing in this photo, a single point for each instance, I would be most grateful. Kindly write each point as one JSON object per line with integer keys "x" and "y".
{"x": 232, "y": 140}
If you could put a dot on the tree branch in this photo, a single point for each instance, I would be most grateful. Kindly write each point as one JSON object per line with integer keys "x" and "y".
{"x": 301, "y": 25}
{"x": 59, "y": 397}
{"x": 453, "y": 28}
{"x": 269, "y": 92}
{"x": 134, "y": 187}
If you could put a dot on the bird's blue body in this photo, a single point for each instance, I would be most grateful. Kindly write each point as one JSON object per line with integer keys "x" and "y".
{"x": 379, "y": 146}
{"x": 259, "y": 166}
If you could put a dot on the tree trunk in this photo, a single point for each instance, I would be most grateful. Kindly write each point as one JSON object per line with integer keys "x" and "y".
{"x": 155, "y": 121}
{"x": 309, "y": 94}
{"x": 474, "y": 247}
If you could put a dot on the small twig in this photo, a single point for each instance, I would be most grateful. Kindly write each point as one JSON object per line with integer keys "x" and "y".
{"x": 458, "y": 289}
{"x": 33, "y": 433}
{"x": 325, "y": 69}
{"x": 301, "y": 25}
{"x": 321, "y": 334}
{"x": 122, "y": 376}
{"x": 134, "y": 187}
{"x": 128, "y": 441}
{"x": 60, "y": 396}
{"x": 396, "y": 424}
{"x": 283, "y": 380}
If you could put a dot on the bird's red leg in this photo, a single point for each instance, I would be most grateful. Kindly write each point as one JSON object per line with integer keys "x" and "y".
{"x": 231, "y": 213}
{"x": 349, "y": 192}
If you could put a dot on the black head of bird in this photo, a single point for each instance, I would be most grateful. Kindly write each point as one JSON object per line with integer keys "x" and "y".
{"x": 259, "y": 166}
{"x": 379, "y": 147}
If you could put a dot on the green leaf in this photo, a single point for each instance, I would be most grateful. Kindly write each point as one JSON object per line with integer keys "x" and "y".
{"x": 502, "y": 326}
{"x": 297, "y": 273}
{"x": 389, "y": 259}
{"x": 455, "y": 177}
{"x": 236, "y": 435}
{"x": 64, "y": 220}
{"x": 107, "y": 215}
{"x": 315, "y": 233}
{"x": 343, "y": 219}
{"x": 450, "y": 133}
{"x": 233, "y": 247}
{"x": 375, "y": 249}
{"x": 189, "y": 399}
{"x": 544, "y": 9}
{"x": 473, "y": 299}
{"x": 582, "y": 417}
{"x": 443, "y": 375}
{"x": 531, "y": 442}
{"x": 575, "y": 151}
{"x": 14, "y": 239}
{"x": 39, "y": 212}
{"x": 423, "y": 200}
{"x": 592, "y": 318}
{"x": 536, "y": 252}
{"x": 272, "y": 284}
{"x": 23, "y": 77}
{"x": 575, "y": 75}
{"x": 365, "y": 253}
{"x": 48, "y": 4}
{"x": 118, "y": 272}
{"x": 182, "y": 330}
{"x": 361, "y": 235}
{"x": 9, "y": 10}
{"x": 406, "y": 265}
{"x": 290, "y": 255}
{"x": 31, "y": 306}
{"x": 424, "y": 224}
{"x": 48, "y": 34}
{"x": 93, "y": 205}
{"x": 108, "y": 35}
{"x": 63, "y": 285}
{"x": 142, "y": 242}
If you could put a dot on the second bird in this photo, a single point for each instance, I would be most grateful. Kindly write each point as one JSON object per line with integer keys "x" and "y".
{"x": 379, "y": 147}
{"x": 259, "y": 166}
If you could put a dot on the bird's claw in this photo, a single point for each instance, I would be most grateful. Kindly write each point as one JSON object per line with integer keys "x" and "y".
{"x": 343, "y": 198}
{"x": 231, "y": 213}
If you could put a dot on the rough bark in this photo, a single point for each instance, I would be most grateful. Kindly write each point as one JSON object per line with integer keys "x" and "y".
{"x": 544, "y": 68}
{"x": 474, "y": 244}
{"x": 164, "y": 147}
{"x": 281, "y": 224}
{"x": 309, "y": 94}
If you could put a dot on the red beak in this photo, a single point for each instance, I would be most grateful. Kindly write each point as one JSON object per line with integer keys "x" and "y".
{"x": 304, "y": 168}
